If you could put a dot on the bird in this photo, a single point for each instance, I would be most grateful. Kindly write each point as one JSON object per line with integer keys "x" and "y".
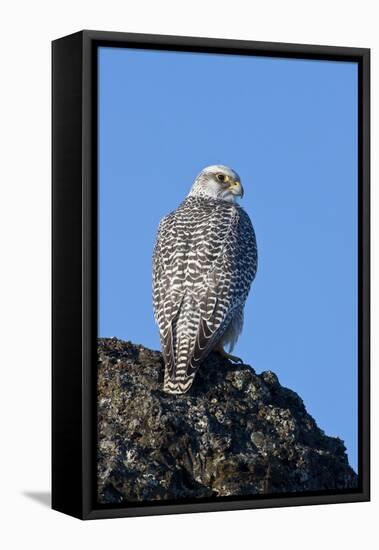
{"x": 204, "y": 261}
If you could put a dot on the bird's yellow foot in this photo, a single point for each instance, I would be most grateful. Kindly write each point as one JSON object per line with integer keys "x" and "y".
{"x": 229, "y": 356}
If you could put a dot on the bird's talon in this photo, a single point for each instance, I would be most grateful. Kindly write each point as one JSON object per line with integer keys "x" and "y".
{"x": 229, "y": 356}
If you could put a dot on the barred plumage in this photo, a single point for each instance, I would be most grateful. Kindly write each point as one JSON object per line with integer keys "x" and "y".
{"x": 205, "y": 259}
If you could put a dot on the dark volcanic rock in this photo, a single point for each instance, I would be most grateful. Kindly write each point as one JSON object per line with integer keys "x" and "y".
{"x": 234, "y": 433}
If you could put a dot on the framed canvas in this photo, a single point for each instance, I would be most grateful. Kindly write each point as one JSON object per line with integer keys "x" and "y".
{"x": 210, "y": 275}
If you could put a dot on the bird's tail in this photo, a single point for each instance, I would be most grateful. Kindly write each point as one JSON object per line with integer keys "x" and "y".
{"x": 179, "y": 379}
{"x": 176, "y": 386}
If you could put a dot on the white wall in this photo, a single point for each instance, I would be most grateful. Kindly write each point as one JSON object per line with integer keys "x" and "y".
{"x": 26, "y": 31}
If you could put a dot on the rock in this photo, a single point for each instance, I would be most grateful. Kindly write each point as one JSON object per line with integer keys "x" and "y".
{"x": 234, "y": 433}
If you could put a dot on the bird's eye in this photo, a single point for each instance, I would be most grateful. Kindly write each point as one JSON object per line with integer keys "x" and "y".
{"x": 221, "y": 177}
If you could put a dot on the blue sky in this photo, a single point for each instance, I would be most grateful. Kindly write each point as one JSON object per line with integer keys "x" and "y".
{"x": 289, "y": 128}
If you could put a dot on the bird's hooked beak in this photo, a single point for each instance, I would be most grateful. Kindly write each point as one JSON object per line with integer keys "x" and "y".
{"x": 236, "y": 188}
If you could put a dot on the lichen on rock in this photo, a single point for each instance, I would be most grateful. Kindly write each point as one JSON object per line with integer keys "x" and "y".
{"x": 234, "y": 433}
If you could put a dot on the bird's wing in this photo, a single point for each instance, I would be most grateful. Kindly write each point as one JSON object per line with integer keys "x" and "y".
{"x": 166, "y": 301}
{"x": 228, "y": 283}
{"x": 203, "y": 268}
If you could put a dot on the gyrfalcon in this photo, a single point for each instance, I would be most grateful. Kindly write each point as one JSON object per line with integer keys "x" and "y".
{"x": 205, "y": 259}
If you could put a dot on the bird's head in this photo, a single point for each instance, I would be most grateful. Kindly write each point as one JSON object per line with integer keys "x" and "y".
{"x": 217, "y": 182}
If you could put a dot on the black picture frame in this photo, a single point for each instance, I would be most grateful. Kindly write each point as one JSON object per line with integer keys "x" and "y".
{"x": 74, "y": 269}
